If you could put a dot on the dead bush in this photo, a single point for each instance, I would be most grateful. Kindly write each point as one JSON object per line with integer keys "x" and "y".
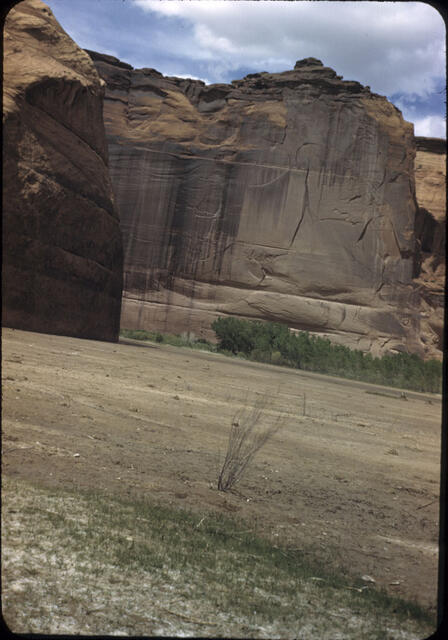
{"x": 251, "y": 428}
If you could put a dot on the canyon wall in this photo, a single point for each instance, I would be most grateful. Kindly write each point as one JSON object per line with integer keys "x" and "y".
{"x": 282, "y": 196}
{"x": 430, "y": 231}
{"x": 62, "y": 247}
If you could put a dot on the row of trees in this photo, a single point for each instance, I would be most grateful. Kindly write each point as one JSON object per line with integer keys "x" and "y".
{"x": 276, "y": 344}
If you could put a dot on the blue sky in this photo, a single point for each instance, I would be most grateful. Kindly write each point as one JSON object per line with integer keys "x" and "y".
{"x": 397, "y": 48}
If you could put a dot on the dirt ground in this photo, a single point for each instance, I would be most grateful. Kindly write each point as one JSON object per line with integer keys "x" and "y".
{"x": 353, "y": 473}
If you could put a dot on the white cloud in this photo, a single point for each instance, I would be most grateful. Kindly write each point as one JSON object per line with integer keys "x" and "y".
{"x": 397, "y": 48}
{"x": 430, "y": 126}
{"x": 208, "y": 40}
{"x": 391, "y": 46}
{"x": 188, "y": 76}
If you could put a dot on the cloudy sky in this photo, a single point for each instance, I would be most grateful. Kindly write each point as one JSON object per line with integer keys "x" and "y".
{"x": 397, "y": 48}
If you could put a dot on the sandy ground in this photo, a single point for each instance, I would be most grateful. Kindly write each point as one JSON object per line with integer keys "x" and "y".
{"x": 353, "y": 473}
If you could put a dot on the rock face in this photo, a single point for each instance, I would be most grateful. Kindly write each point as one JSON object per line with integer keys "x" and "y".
{"x": 286, "y": 196}
{"x": 62, "y": 247}
{"x": 430, "y": 179}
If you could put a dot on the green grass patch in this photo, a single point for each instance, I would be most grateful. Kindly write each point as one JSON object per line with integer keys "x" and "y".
{"x": 185, "y": 340}
{"x": 133, "y": 559}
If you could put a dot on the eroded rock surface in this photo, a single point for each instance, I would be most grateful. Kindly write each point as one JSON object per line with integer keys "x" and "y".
{"x": 285, "y": 196}
{"x": 62, "y": 248}
{"x": 430, "y": 182}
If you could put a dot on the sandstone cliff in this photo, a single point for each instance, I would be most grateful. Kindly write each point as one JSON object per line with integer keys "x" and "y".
{"x": 62, "y": 248}
{"x": 430, "y": 231}
{"x": 285, "y": 196}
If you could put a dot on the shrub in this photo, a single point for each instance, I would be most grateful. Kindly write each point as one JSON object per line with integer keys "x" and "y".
{"x": 261, "y": 355}
{"x": 136, "y": 334}
{"x": 233, "y": 335}
{"x": 184, "y": 340}
{"x": 275, "y": 343}
{"x": 277, "y": 358}
{"x": 246, "y": 437}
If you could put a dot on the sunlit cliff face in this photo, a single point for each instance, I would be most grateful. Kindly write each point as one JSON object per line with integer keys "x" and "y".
{"x": 286, "y": 196}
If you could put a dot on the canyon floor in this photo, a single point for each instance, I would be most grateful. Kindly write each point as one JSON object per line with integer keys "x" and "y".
{"x": 351, "y": 478}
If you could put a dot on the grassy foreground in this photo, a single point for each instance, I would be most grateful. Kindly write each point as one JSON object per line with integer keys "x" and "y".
{"x": 79, "y": 562}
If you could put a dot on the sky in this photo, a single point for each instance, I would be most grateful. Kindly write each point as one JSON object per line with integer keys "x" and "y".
{"x": 396, "y": 48}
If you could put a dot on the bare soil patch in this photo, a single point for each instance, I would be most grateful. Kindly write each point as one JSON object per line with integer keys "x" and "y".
{"x": 353, "y": 475}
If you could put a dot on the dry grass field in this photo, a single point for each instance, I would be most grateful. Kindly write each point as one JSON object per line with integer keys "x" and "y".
{"x": 349, "y": 482}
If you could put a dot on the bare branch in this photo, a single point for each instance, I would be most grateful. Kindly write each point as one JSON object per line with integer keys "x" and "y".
{"x": 246, "y": 437}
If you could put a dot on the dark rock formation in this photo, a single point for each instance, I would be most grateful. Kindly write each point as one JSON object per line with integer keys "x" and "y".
{"x": 285, "y": 196}
{"x": 62, "y": 247}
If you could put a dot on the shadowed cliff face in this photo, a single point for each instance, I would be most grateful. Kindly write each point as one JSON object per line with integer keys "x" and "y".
{"x": 62, "y": 248}
{"x": 286, "y": 196}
